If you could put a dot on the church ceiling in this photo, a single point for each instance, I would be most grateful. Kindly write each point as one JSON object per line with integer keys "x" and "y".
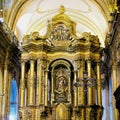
{"x": 92, "y": 16}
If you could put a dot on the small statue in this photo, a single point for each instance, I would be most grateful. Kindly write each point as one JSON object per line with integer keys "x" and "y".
{"x": 62, "y": 86}
{"x": 61, "y": 89}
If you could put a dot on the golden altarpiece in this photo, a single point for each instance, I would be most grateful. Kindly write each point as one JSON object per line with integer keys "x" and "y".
{"x": 53, "y": 84}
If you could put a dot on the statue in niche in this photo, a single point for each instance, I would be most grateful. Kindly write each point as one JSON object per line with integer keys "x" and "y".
{"x": 61, "y": 85}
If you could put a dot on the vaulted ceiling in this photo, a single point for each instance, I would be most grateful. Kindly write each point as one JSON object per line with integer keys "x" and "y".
{"x": 26, "y": 16}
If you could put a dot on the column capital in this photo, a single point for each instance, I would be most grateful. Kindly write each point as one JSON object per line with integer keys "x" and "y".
{"x": 114, "y": 65}
{"x": 23, "y": 61}
{"x": 7, "y": 61}
{"x": 1, "y": 95}
{"x": 46, "y": 70}
{"x": 22, "y": 84}
{"x": 74, "y": 71}
{"x": 98, "y": 61}
{"x": 43, "y": 66}
{"x": 88, "y": 59}
{"x": 32, "y": 59}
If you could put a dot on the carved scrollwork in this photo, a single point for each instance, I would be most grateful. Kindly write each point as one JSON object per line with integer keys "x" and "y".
{"x": 60, "y": 33}
{"x": 29, "y": 115}
{"x": 118, "y": 54}
{"x": 20, "y": 115}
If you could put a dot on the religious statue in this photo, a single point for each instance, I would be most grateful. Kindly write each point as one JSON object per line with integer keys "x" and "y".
{"x": 61, "y": 86}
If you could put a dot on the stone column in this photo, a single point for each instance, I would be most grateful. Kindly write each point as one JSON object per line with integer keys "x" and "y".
{"x": 99, "y": 93}
{"x": 114, "y": 86}
{"x": 90, "y": 89}
{"x": 22, "y": 85}
{"x": 46, "y": 88}
{"x": 31, "y": 90}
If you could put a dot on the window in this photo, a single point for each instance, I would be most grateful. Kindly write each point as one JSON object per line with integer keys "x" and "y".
{"x": 13, "y": 114}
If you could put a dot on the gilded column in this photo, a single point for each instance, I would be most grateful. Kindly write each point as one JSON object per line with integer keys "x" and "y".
{"x": 1, "y": 106}
{"x": 5, "y": 94}
{"x": 31, "y": 97}
{"x": 38, "y": 86}
{"x": 69, "y": 87}
{"x": 114, "y": 84}
{"x": 40, "y": 81}
{"x": 1, "y": 80}
{"x": 43, "y": 84}
{"x": 81, "y": 100}
{"x": 90, "y": 89}
{"x": 75, "y": 90}
{"x": 52, "y": 84}
{"x": 1, "y": 91}
{"x": 99, "y": 93}
{"x": 81, "y": 94}
{"x": 46, "y": 88}
{"x": 52, "y": 91}
{"x": 8, "y": 89}
{"x": 39, "y": 94}
{"x": 22, "y": 85}
{"x": 69, "y": 82}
